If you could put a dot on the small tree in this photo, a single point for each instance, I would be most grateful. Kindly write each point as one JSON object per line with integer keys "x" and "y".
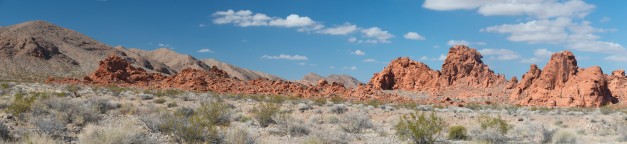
{"x": 420, "y": 128}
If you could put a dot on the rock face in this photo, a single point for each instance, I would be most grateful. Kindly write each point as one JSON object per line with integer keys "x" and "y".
{"x": 561, "y": 83}
{"x": 462, "y": 68}
{"x": 617, "y": 84}
{"x": 114, "y": 70}
{"x": 346, "y": 80}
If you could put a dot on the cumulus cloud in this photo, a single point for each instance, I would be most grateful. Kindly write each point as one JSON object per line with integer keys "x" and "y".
{"x": 413, "y": 36}
{"x": 285, "y": 57}
{"x": 550, "y": 21}
{"x": 247, "y": 18}
{"x": 543, "y": 53}
{"x": 370, "y": 60}
{"x": 616, "y": 58}
{"x": 350, "y": 68}
{"x": 373, "y": 35}
{"x": 358, "y": 52}
{"x": 532, "y": 8}
{"x": 442, "y": 57}
{"x": 345, "y": 29}
{"x": 205, "y": 51}
{"x": 500, "y": 54}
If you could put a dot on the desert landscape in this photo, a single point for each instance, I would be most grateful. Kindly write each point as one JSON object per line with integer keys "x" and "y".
{"x": 58, "y": 85}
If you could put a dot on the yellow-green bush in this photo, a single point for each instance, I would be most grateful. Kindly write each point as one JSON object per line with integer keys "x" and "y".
{"x": 420, "y": 128}
{"x": 457, "y": 132}
{"x": 263, "y": 113}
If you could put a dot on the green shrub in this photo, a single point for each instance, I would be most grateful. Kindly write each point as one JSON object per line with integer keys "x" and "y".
{"x": 4, "y": 86}
{"x": 263, "y": 113}
{"x": 420, "y": 128}
{"x": 212, "y": 113}
{"x": 494, "y": 122}
{"x": 20, "y": 104}
{"x": 374, "y": 103}
{"x": 187, "y": 129}
{"x": 337, "y": 100}
{"x": 457, "y": 132}
{"x": 355, "y": 122}
{"x": 159, "y": 101}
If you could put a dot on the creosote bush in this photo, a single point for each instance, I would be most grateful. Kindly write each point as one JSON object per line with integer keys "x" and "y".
{"x": 20, "y": 104}
{"x": 419, "y": 128}
{"x": 457, "y": 132}
{"x": 355, "y": 122}
{"x": 263, "y": 113}
{"x": 494, "y": 122}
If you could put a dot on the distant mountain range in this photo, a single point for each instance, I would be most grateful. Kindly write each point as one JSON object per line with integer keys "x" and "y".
{"x": 36, "y": 50}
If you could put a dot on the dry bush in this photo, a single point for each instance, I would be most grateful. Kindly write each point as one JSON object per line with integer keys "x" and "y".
{"x": 187, "y": 127}
{"x": 355, "y": 122}
{"x": 117, "y": 132}
{"x": 493, "y": 130}
{"x": 38, "y": 139}
{"x": 339, "y": 109}
{"x": 532, "y": 133}
{"x": 564, "y": 137}
{"x": 290, "y": 126}
{"x": 239, "y": 135}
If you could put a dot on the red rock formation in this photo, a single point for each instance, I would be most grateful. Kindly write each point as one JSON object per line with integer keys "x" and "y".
{"x": 462, "y": 70}
{"x": 512, "y": 83}
{"x": 617, "y": 84}
{"x": 117, "y": 70}
{"x": 561, "y": 83}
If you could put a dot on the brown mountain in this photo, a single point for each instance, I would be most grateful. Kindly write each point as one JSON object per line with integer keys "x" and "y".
{"x": 178, "y": 62}
{"x": 346, "y": 80}
{"x": 36, "y": 50}
{"x": 238, "y": 72}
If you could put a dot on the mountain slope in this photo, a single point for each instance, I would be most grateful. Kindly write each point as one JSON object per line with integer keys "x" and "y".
{"x": 348, "y": 81}
{"x": 238, "y": 72}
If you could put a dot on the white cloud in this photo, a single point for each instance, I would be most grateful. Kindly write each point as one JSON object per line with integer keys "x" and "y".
{"x": 286, "y": 57}
{"x": 457, "y": 42}
{"x": 350, "y": 68}
{"x": 370, "y": 60}
{"x": 242, "y": 18}
{"x": 345, "y": 29}
{"x": 442, "y": 57}
{"x": 532, "y": 8}
{"x": 413, "y": 36}
{"x": 205, "y": 51}
{"x": 550, "y": 21}
{"x": 500, "y": 54}
{"x": 292, "y": 20}
{"x": 374, "y": 35}
{"x": 353, "y": 39}
{"x": 162, "y": 45}
{"x": 605, "y": 19}
{"x": 202, "y": 25}
{"x": 616, "y": 58}
{"x": 543, "y": 53}
{"x": 358, "y": 52}
{"x": 424, "y": 58}
{"x": 530, "y": 60}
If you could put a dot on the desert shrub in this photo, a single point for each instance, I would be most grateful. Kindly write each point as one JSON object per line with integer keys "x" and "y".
{"x": 50, "y": 126}
{"x": 313, "y": 140}
{"x": 161, "y": 93}
{"x": 457, "y": 132}
{"x": 124, "y": 132}
{"x": 102, "y": 105}
{"x": 38, "y": 139}
{"x": 72, "y": 88}
{"x": 4, "y": 86}
{"x": 238, "y": 135}
{"x": 494, "y": 122}
{"x": 212, "y": 113}
{"x": 532, "y": 133}
{"x": 21, "y": 104}
{"x": 492, "y": 129}
{"x": 146, "y": 96}
{"x": 4, "y": 132}
{"x": 337, "y": 100}
{"x": 188, "y": 131}
{"x": 320, "y": 101}
{"x": 420, "y": 128}
{"x": 159, "y": 101}
{"x": 263, "y": 113}
{"x": 172, "y": 104}
{"x": 374, "y": 102}
{"x": 339, "y": 109}
{"x": 407, "y": 105}
{"x": 290, "y": 126}
{"x": 328, "y": 137}
{"x": 563, "y": 137}
{"x": 355, "y": 122}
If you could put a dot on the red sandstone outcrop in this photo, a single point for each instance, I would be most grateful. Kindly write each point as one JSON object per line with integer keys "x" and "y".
{"x": 115, "y": 70}
{"x": 462, "y": 69}
{"x": 617, "y": 84}
{"x": 512, "y": 83}
{"x": 561, "y": 83}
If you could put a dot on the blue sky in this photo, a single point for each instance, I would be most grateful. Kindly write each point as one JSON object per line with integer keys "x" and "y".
{"x": 292, "y": 38}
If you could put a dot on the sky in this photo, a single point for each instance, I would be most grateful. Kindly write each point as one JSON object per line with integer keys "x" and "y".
{"x": 290, "y": 38}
